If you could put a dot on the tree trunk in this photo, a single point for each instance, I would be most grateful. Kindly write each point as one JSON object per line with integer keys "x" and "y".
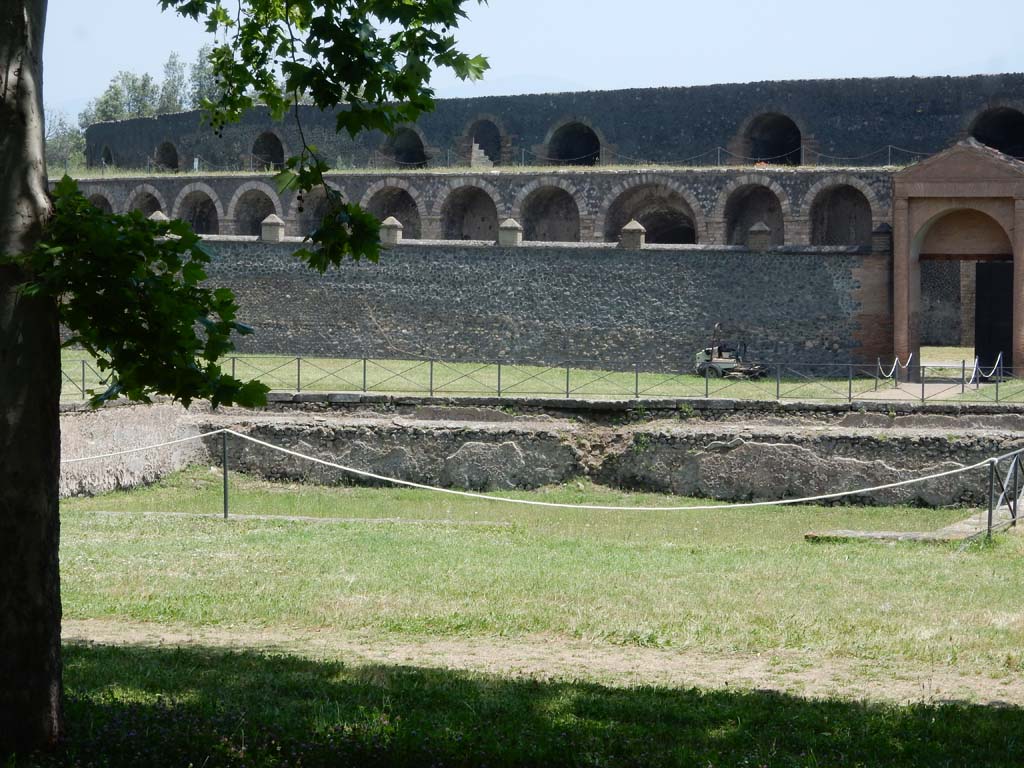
{"x": 30, "y": 666}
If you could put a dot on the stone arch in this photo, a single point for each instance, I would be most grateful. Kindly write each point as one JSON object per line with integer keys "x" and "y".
{"x": 469, "y": 212}
{"x": 746, "y": 180}
{"x": 314, "y": 209}
{"x": 879, "y": 214}
{"x": 1001, "y": 128}
{"x": 841, "y": 212}
{"x": 573, "y": 141}
{"x": 106, "y": 156}
{"x": 396, "y": 197}
{"x": 147, "y": 199}
{"x": 550, "y": 213}
{"x": 646, "y": 196}
{"x": 751, "y": 204}
{"x": 101, "y": 201}
{"x": 771, "y": 137}
{"x": 406, "y": 147}
{"x": 249, "y": 201}
{"x": 486, "y": 132}
{"x": 166, "y": 156}
{"x": 268, "y": 151}
{"x": 200, "y": 206}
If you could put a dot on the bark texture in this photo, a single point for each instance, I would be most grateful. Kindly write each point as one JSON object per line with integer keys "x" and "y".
{"x": 30, "y": 665}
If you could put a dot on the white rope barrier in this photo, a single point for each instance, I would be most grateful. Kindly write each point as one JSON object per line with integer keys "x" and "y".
{"x": 552, "y": 505}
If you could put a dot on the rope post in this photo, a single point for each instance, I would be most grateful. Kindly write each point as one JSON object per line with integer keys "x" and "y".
{"x": 431, "y": 378}
{"x": 963, "y": 376}
{"x": 636, "y": 381}
{"x": 778, "y": 381}
{"x": 1012, "y": 496}
{"x": 499, "y": 379}
{"x": 877, "y": 369}
{"x": 991, "y": 492}
{"x": 849, "y": 383}
{"x": 567, "y": 382}
{"x": 998, "y": 377}
{"x": 364, "y": 374}
{"x": 923, "y": 377}
{"x": 706, "y": 388}
{"x": 233, "y": 361}
{"x": 298, "y": 374}
{"x": 224, "y": 464}
{"x": 83, "y": 378}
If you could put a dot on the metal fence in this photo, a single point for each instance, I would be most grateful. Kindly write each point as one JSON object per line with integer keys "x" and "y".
{"x": 901, "y": 382}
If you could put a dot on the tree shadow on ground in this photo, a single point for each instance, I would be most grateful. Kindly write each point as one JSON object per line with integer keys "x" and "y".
{"x": 157, "y": 706}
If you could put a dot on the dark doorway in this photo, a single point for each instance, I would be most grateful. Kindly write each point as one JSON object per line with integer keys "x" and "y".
{"x": 993, "y": 320}
{"x": 1003, "y": 129}
{"x": 774, "y": 139}
{"x": 575, "y": 144}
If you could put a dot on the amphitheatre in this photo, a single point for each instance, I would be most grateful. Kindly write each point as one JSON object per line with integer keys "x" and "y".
{"x": 836, "y": 228}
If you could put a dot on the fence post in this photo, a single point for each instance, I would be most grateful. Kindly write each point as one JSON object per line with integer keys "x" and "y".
{"x": 849, "y": 389}
{"x": 923, "y": 376}
{"x": 636, "y": 381}
{"x": 224, "y": 464}
{"x": 706, "y": 394}
{"x": 431, "y": 378}
{"x": 963, "y": 377}
{"x": 566, "y": 382}
{"x": 999, "y": 375}
{"x": 499, "y": 379}
{"x": 991, "y": 492}
{"x": 298, "y": 374}
{"x": 364, "y": 374}
{"x": 83, "y": 378}
{"x": 233, "y": 359}
{"x": 778, "y": 381}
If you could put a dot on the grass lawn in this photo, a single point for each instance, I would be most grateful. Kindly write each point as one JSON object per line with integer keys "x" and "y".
{"x": 479, "y": 379}
{"x": 443, "y": 570}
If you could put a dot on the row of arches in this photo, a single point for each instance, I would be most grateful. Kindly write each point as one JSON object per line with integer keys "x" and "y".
{"x": 840, "y": 211}
{"x": 772, "y": 138}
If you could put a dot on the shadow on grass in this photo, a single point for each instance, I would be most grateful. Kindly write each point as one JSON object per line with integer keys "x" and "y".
{"x": 145, "y": 706}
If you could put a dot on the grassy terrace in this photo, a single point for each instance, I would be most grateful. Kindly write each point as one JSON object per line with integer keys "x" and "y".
{"x": 594, "y": 606}
{"x": 421, "y": 377}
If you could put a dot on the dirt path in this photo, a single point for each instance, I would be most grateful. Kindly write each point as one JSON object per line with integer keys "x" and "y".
{"x": 545, "y": 658}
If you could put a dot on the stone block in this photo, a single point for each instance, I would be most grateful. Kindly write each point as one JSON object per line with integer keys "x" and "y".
{"x": 391, "y": 231}
{"x": 272, "y": 229}
{"x": 633, "y": 236}
{"x": 510, "y": 233}
{"x": 759, "y": 237}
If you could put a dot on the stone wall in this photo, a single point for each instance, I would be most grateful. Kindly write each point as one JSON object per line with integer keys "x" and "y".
{"x": 85, "y": 432}
{"x": 549, "y": 304}
{"x": 836, "y": 119}
{"x": 941, "y": 309}
{"x": 719, "y": 204}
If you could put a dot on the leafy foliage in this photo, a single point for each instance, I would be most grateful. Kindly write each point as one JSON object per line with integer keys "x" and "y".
{"x": 371, "y": 58}
{"x": 173, "y": 89}
{"x": 65, "y": 142}
{"x": 128, "y": 95}
{"x": 131, "y": 294}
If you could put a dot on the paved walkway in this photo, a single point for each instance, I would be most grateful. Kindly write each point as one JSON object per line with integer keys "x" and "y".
{"x": 972, "y": 526}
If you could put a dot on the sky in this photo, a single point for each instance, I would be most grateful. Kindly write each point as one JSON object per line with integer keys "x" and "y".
{"x": 538, "y": 46}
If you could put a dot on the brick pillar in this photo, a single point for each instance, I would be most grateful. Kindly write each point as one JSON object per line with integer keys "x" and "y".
{"x": 901, "y": 297}
{"x": 1018, "y": 283}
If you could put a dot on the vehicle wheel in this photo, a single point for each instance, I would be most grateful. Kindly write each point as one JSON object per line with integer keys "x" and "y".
{"x": 714, "y": 373}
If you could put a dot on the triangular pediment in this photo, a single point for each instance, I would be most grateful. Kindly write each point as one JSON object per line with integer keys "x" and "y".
{"x": 966, "y": 161}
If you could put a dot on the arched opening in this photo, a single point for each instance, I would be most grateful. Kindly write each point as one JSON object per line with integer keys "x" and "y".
{"x": 146, "y": 203}
{"x": 250, "y": 211}
{"x": 311, "y": 212}
{"x": 405, "y": 147}
{"x": 749, "y": 205}
{"x": 773, "y": 138}
{"x": 841, "y": 215}
{"x": 662, "y": 211}
{"x": 101, "y": 202}
{"x": 1001, "y": 128}
{"x": 966, "y": 272}
{"x": 486, "y": 137}
{"x": 268, "y": 152}
{"x": 575, "y": 144}
{"x": 107, "y": 156}
{"x": 167, "y": 157}
{"x": 201, "y": 213}
{"x": 550, "y": 214}
{"x": 394, "y": 201}
{"x": 469, "y": 213}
